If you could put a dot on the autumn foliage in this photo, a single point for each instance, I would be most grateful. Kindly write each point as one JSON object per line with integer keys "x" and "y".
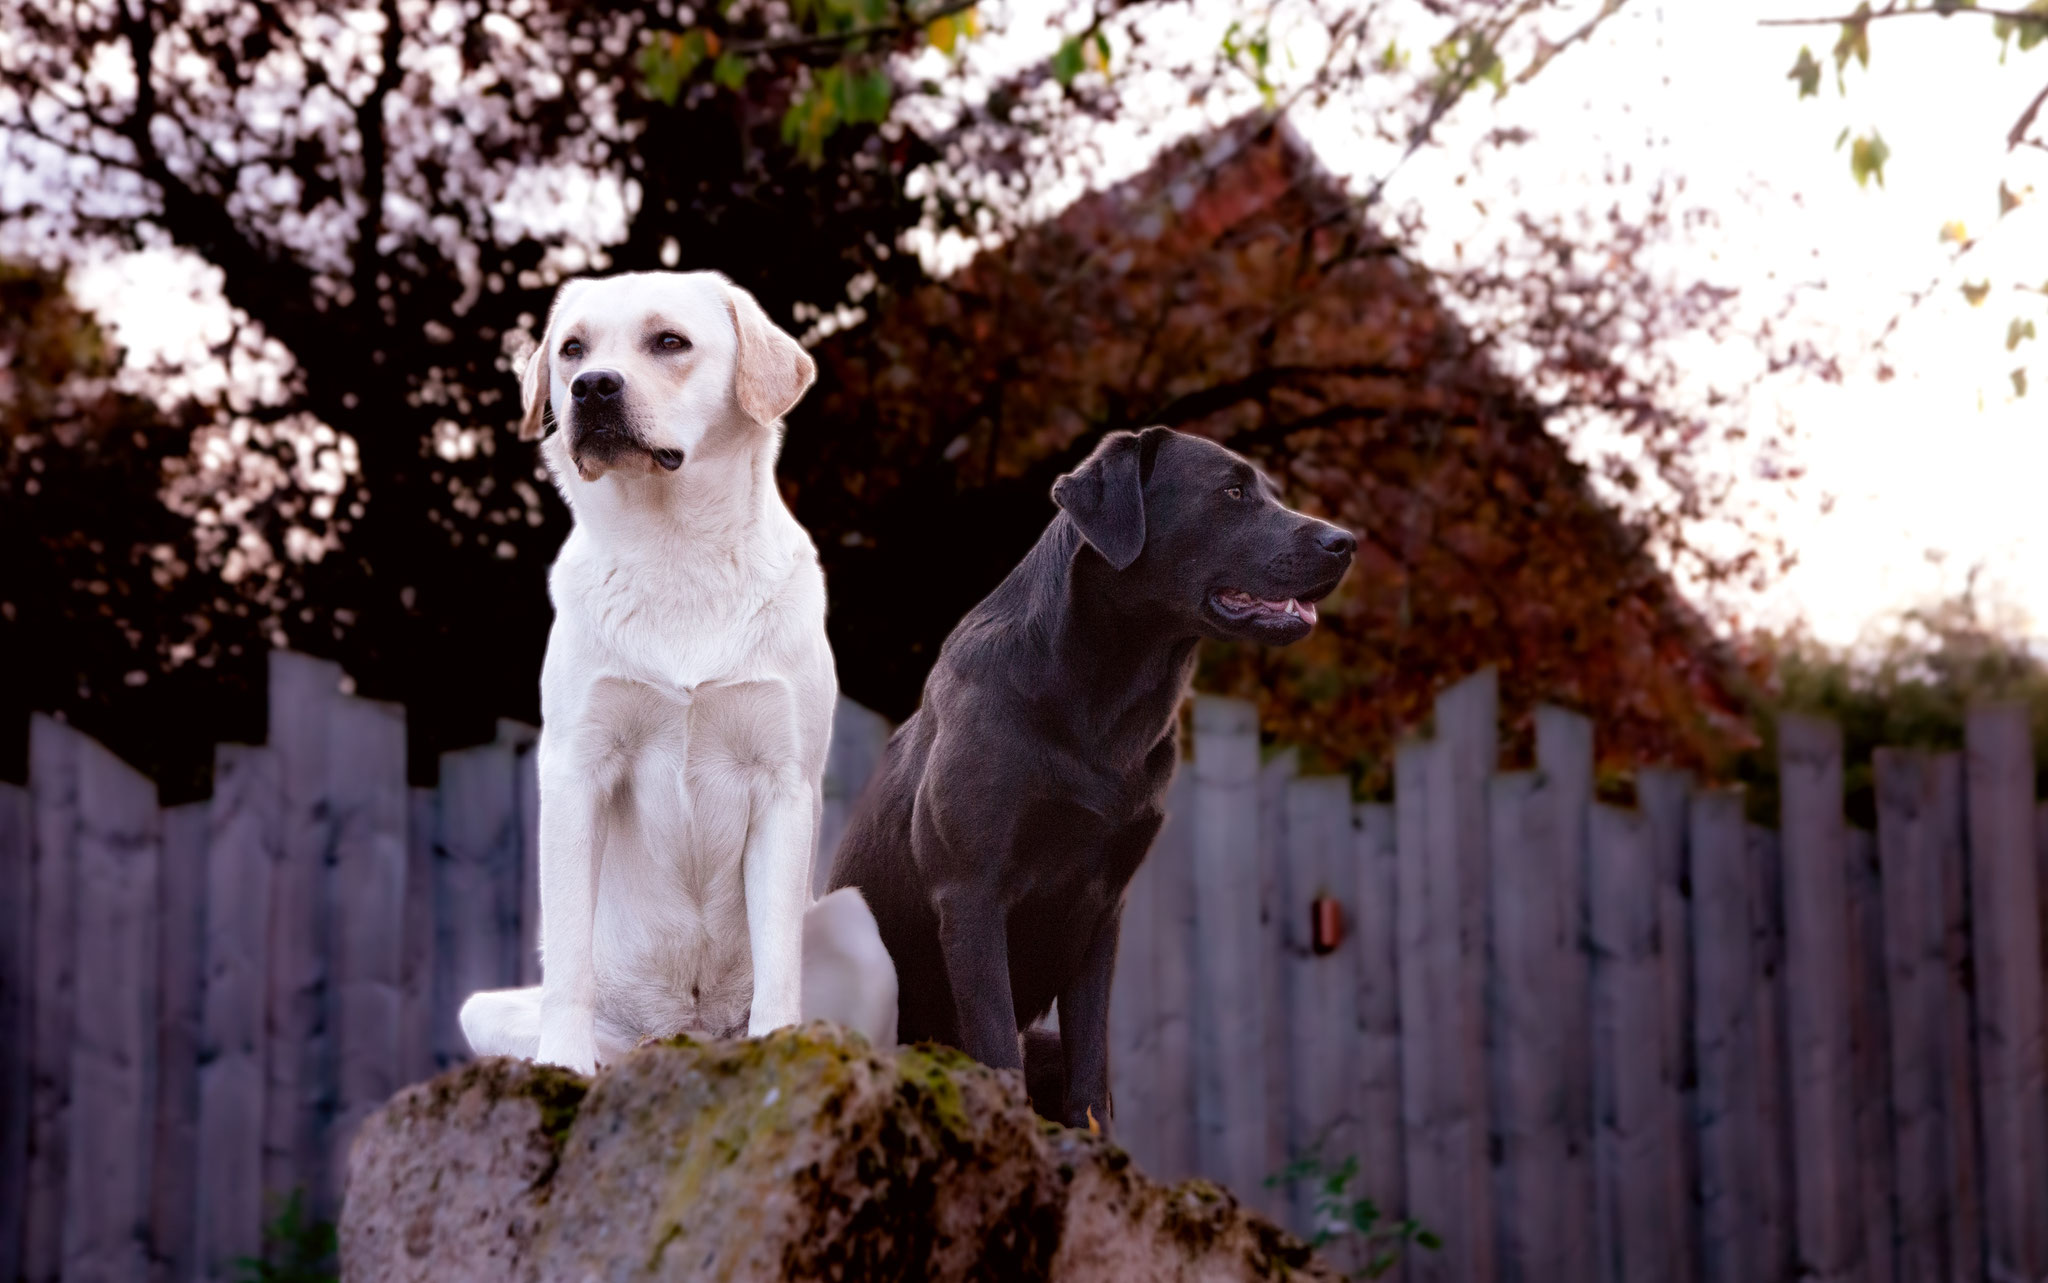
{"x": 1229, "y": 291}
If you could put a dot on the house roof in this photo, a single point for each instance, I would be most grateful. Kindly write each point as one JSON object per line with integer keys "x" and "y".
{"x": 1229, "y": 290}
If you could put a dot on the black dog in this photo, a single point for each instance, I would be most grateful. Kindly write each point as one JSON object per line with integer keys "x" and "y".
{"x": 995, "y": 844}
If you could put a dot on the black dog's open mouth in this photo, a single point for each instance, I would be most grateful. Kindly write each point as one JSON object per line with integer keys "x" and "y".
{"x": 1241, "y": 607}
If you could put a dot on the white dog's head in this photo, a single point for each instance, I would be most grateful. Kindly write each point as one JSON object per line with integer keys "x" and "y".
{"x": 647, "y": 369}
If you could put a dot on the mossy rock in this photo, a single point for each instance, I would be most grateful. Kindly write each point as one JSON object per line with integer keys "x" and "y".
{"x": 803, "y": 1155}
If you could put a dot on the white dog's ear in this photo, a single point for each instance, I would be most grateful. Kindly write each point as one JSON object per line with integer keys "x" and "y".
{"x": 533, "y": 393}
{"x": 536, "y": 384}
{"x": 771, "y": 370}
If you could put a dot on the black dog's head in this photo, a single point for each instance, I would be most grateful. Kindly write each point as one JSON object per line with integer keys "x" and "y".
{"x": 1194, "y": 530}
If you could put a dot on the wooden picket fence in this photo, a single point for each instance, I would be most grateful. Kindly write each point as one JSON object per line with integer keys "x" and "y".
{"x": 199, "y": 1004}
{"x": 1583, "y": 1042}
{"x": 1578, "y": 1042}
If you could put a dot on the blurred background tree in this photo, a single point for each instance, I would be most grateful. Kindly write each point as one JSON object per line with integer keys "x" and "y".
{"x": 390, "y": 192}
{"x": 2015, "y": 29}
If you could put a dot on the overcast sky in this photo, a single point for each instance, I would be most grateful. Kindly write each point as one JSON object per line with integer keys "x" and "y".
{"x": 1941, "y": 459}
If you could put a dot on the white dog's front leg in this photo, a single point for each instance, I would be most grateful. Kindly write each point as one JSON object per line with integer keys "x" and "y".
{"x": 571, "y": 855}
{"x": 778, "y": 883}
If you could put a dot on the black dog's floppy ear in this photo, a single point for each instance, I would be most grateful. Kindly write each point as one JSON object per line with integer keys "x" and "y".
{"x": 1105, "y": 497}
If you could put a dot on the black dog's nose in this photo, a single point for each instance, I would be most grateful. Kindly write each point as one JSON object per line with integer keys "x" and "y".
{"x": 601, "y": 385}
{"x": 1338, "y": 543}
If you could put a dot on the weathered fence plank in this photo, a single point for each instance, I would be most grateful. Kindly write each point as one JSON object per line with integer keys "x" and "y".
{"x": 1725, "y": 1038}
{"x": 2006, "y": 925}
{"x": 1777, "y": 1216}
{"x": 299, "y": 1092}
{"x": 526, "y": 785}
{"x": 1961, "y": 1091}
{"x": 1425, "y": 910}
{"x": 1663, "y": 795}
{"x": 1870, "y": 1028}
{"x": 859, "y": 739}
{"x": 244, "y": 843}
{"x": 1321, "y": 1033}
{"x": 1274, "y": 776}
{"x": 181, "y": 983}
{"x": 1230, "y": 1026}
{"x": 366, "y": 914}
{"x": 1915, "y": 964}
{"x": 1817, "y": 948}
{"x": 1134, "y": 1019}
{"x": 416, "y": 1030}
{"x": 1173, "y": 971}
{"x": 476, "y": 887}
{"x": 17, "y": 1013}
{"x": 1636, "y": 1237}
{"x": 114, "y": 1031}
{"x": 1376, "y": 1099}
{"x": 1523, "y": 1002}
{"x": 1468, "y": 736}
{"x": 54, "y": 750}
{"x": 1564, "y": 755}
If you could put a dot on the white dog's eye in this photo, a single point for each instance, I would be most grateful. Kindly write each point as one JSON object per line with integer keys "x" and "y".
{"x": 572, "y": 349}
{"x": 1235, "y": 492}
{"x": 672, "y": 343}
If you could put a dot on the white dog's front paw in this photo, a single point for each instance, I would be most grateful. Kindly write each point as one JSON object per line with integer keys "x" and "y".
{"x": 569, "y": 1041}
{"x": 761, "y": 1022}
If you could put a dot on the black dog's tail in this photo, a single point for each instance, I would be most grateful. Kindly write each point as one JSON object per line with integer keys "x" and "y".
{"x": 1045, "y": 1073}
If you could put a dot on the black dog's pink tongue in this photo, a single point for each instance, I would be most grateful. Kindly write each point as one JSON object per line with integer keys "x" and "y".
{"x": 1306, "y": 610}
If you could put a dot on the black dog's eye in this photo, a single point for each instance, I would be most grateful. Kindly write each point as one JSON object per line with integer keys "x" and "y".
{"x": 572, "y": 349}
{"x": 1235, "y": 492}
{"x": 673, "y": 343}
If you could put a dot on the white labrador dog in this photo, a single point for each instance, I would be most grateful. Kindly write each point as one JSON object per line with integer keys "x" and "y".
{"x": 687, "y": 693}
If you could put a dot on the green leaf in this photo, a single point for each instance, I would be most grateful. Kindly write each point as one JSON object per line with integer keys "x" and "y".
{"x": 2017, "y": 333}
{"x": 1854, "y": 42}
{"x": 1426, "y": 1239}
{"x": 2019, "y": 381}
{"x": 2030, "y": 33}
{"x": 1067, "y": 62}
{"x": 2008, "y": 200}
{"x": 1807, "y": 72}
{"x": 1867, "y": 157}
{"x": 1947, "y": 7}
{"x": 668, "y": 59}
{"x": 869, "y": 97}
{"x": 1977, "y": 293}
{"x": 943, "y": 34}
{"x": 1841, "y": 138}
{"x": 730, "y": 71}
{"x": 1393, "y": 57}
{"x": 813, "y": 115}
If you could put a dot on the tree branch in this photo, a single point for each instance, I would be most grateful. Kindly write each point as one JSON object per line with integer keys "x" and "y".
{"x": 2014, "y": 15}
{"x": 826, "y": 40}
{"x": 370, "y": 129}
{"x": 2026, "y": 121}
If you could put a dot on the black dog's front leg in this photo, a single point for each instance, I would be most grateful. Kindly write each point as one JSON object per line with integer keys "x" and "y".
{"x": 974, "y": 940}
{"x": 1084, "y": 1027}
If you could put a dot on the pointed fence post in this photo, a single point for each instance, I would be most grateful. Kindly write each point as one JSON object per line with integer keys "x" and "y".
{"x": 1818, "y": 1015}
{"x": 17, "y": 1015}
{"x": 1230, "y": 1024}
{"x": 112, "y": 1120}
{"x": 2006, "y": 936}
{"x": 1377, "y": 1096}
{"x": 244, "y": 842}
{"x": 1725, "y": 1038}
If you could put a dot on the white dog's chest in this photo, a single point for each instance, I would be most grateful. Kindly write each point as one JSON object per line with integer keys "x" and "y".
{"x": 683, "y": 776}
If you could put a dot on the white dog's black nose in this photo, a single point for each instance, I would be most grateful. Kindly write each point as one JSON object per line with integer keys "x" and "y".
{"x": 596, "y": 385}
